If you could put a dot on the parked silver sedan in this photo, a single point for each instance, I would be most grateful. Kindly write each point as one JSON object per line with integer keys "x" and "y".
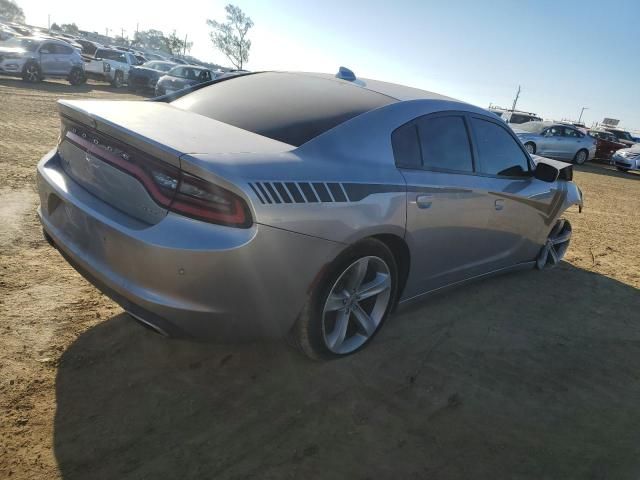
{"x": 293, "y": 204}
{"x": 556, "y": 140}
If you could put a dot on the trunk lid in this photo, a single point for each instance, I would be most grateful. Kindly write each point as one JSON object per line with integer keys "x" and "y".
{"x": 128, "y": 154}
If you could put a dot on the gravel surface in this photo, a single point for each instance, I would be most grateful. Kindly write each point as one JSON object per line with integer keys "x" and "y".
{"x": 533, "y": 375}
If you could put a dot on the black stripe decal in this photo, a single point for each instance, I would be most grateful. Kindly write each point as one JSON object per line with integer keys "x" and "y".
{"x": 295, "y": 193}
{"x": 264, "y": 193}
{"x": 336, "y": 191}
{"x": 283, "y": 192}
{"x": 273, "y": 193}
{"x": 359, "y": 191}
{"x": 308, "y": 192}
{"x": 256, "y": 192}
{"x": 322, "y": 192}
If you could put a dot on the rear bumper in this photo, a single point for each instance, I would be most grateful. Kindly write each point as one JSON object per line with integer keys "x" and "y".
{"x": 186, "y": 277}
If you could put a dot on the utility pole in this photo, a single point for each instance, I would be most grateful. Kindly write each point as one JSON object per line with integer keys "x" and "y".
{"x": 581, "y": 112}
{"x": 184, "y": 49}
{"x": 515, "y": 100}
{"x": 49, "y": 22}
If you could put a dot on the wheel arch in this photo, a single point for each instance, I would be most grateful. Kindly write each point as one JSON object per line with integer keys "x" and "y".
{"x": 532, "y": 142}
{"x": 402, "y": 255}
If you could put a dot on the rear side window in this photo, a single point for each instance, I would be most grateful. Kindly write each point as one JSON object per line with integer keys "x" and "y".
{"x": 444, "y": 143}
{"x": 498, "y": 152}
{"x": 406, "y": 146}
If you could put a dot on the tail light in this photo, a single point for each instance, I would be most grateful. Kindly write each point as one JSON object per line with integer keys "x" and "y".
{"x": 169, "y": 186}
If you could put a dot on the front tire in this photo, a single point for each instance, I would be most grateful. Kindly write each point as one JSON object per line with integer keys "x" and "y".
{"x": 553, "y": 251}
{"x": 530, "y": 147}
{"x": 581, "y": 157}
{"x": 31, "y": 73}
{"x": 349, "y": 304}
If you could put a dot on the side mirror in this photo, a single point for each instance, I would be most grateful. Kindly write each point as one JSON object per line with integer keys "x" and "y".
{"x": 546, "y": 172}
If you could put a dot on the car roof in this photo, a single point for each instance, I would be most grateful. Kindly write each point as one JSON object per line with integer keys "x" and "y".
{"x": 393, "y": 90}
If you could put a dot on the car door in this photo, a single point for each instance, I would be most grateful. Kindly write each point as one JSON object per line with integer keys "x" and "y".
{"x": 64, "y": 58}
{"x": 522, "y": 206}
{"x": 549, "y": 143}
{"x": 446, "y": 214}
{"x": 49, "y": 59}
{"x": 570, "y": 144}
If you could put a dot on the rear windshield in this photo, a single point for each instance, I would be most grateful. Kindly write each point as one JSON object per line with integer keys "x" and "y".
{"x": 290, "y": 108}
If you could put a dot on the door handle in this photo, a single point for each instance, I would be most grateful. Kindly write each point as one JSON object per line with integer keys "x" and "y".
{"x": 499, "y": 204}
{"x": 424, "y": 201}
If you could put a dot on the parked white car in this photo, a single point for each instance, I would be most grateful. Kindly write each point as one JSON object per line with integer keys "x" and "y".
{"x": 110, "y": 66}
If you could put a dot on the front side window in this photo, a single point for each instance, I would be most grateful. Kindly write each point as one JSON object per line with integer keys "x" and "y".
{"x": 48, "y": 49}
{"x": 498, "y": 151}
{"x": 554, "y": 131}
{"x": 444, "y": 143}
{"x": 570, "y": 132}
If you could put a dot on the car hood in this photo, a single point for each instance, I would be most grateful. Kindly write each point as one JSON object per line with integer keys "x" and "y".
{"x": 634, "y": 149}
{"x": 17, "y": 50}
{"x": 148, "y": 70}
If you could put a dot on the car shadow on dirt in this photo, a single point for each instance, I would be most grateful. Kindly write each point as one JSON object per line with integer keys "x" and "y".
{"x": 530, "y": 375}
{"x": 605, "y": 169}
{"x": 62, "y": 87}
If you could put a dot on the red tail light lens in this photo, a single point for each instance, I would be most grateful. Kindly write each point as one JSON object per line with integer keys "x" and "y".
{"x": 169, "y": 186}
{"x": 205, "y": 201}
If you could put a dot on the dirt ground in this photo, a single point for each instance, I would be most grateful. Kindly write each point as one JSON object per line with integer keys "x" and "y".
{"x": 534, "y": 375}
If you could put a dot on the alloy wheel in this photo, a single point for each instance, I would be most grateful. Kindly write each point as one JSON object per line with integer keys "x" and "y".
{"x": 581, "y": 157}
{"x": 356, "y": 305}
{"x": 529, "y": 148}
{"x": 556, "y": 246}
{"x": 32, "y": 73}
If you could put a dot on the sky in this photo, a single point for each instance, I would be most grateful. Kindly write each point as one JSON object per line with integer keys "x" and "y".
{"x": 565, "y": 55}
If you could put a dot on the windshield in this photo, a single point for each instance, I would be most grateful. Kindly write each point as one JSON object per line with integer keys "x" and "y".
{"x": 286, "y": 107}
{"x": 532, "y": 127}
{"x": 114, "y": 55}
{"x": 26, "y": 43}
{"x": 624, "y": 136}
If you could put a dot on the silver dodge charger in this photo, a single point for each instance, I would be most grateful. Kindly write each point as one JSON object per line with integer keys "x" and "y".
{"x": 299, "y": 205}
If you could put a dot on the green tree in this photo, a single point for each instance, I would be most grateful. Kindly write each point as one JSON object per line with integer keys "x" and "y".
{"x": 11, "y": 12}
{"x": 230, "y": 37}
{"x": 177, "y": 45}
{"x": 55, "y": 27}
{"x": 151, "y": 40}
{"x": 120, "y": 41}
{"x": 70, "y": 28}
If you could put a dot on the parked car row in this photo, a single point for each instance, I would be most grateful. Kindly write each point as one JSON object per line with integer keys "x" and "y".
{"x": 35, "y": 54}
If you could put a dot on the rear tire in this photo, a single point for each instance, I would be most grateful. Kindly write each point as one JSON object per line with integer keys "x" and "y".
{"x": 32, "y": 73}
{"x": 530, "y": 147}
{"x": 317, "y": 331}
{"x": 76, "y": 77}
{"x": 581, "y": 157}
{"x": 118, "y": 79}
